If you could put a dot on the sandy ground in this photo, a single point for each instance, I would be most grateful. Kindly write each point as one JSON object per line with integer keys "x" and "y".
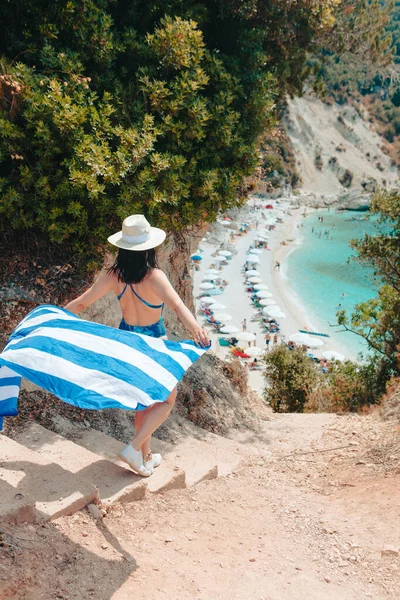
{"x": 305, "y": 518}
{"x": 237, "y": 299}
{"x": 339, "y": 133}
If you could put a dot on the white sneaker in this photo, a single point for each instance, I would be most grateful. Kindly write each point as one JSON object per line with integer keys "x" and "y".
{"x": 155, "y": 461}
{"x": 134, "y": 459}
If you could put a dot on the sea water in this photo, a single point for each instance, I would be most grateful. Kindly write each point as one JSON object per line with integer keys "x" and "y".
{"x": 323, "y": 273}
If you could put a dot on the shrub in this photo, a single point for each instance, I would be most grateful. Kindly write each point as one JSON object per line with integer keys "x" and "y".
{"x": 389, "y": 133}
{"x": 319, "y": 162}
{"x": 396, "y": 125}
{"x": 291, "y": 378}
{"x": 346, "y": 178}
{"x": 273, "y": 163}
{"x": 348, "y": 386}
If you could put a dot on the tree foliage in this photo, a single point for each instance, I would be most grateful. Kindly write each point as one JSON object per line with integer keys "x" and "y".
{"x": 112, "y": 107}
{"x": 347, "y": 386}
{"x": 361, "y": 30}
{"x": 378, "y": 320}
{"x": 291, "y": 378}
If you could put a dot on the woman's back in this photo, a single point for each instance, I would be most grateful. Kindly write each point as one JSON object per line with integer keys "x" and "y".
{"x": 139, "y": 303}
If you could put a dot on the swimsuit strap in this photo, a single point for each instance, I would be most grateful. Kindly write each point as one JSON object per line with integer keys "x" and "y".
{"x": 145, "y": 302}
{"x": 122, "y": 293}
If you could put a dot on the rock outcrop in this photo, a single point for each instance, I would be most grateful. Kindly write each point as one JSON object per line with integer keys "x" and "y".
{"x": 336, "y": 148}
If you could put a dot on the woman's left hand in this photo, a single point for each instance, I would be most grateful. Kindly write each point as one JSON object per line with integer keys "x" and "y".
{"x": 201, "y": 338}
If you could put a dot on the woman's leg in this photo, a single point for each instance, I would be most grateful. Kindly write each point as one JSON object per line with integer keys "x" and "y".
{"x": 152, "y": 419}
{"x": 138, "y": 424}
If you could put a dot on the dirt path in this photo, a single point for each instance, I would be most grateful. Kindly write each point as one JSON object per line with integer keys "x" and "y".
{"x": 310, "y": 526}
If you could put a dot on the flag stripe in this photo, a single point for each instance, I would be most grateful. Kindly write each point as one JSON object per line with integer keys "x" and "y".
{"x": 72, "y": 393}
{"x": 90, "y": 365}
{"x": 112, "y": 336}
{"x": 84, "y": 346}
{"x": 90, "y": 379}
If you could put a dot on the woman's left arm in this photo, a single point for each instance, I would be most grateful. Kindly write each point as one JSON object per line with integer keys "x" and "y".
{"x": 99, "y": 289}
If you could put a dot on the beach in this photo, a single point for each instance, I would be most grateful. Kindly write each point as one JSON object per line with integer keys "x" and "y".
{"x": 235, "y": 297}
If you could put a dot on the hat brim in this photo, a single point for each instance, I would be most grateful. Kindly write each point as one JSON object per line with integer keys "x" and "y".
{"x": 157, "y": 236}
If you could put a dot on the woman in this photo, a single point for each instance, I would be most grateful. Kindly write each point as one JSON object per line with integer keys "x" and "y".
{"x": 143, "y": 290}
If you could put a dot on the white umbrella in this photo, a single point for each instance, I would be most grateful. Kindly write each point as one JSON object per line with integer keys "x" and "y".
{"x": 252, "y": 272}
{"x": 209, "y": 277}
{"x": 222, "y": 317}
{"x": 254, "y": 351}
{"x": 267, "y": 302}
{"x": 245, "y": 336}
{"x": 299, "y": 338}
{"x": 314, "y": 342}
{"x": 263, "y": 294}
{"x": 254, "y": 280}
{"x": 212, "y": 272}
{"x": 255, "y": 251}
{"x": 229, "y": 329}
{"x": 276, "y": 314}
{"x": 217, "y": 306}
{"x": 206, "y": 286}
{"x": 333, "y": 355}
{"x": 260, "y": 286}
{"x": 252, "y": 259}
{"x": 261, "y": 239}
{"x": 225, "y": 253}
{"x": 207, "y": 300}
{"x": 269, "y": 310}
{"x": 262, "y": 234}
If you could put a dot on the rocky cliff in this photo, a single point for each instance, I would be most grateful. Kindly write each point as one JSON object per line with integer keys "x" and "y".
{"x": 337, "y": 151}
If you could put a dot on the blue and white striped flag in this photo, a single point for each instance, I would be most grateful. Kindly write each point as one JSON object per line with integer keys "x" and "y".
{"x": 88, "y": 364}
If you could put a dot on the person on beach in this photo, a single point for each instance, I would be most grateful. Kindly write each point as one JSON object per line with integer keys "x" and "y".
{"x": 244, "y": 325}
{"x": 253, "y": 364}
{"x": 275, "y": 338}
{"x": 277, "y": 265}
{"x": 267, "y": 339}
{"x": 142, "y": 290}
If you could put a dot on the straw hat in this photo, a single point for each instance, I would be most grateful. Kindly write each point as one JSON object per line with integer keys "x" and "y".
{"x": 137, "y": 234}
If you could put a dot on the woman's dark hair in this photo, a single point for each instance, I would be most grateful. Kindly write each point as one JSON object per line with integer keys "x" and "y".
{"x": 132, "y": 266}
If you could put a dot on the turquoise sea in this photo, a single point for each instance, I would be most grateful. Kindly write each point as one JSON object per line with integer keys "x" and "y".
{"x": 323, "y": 275}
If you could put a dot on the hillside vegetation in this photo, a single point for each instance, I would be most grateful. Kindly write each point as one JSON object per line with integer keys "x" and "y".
{"x": 110, "y": 108}
{"x": 348, "y": 78}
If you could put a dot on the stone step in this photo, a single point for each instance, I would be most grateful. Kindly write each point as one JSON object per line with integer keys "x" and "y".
{"x": 166, "y": 477}
{"x": 35, "y": 487}
{"x": 115, "y": 482}
{"x": 15, "y": 507}
{"x": 199, "y": 454}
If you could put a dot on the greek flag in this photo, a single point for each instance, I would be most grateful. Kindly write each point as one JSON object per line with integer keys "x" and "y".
{"x": 88, "y": 364}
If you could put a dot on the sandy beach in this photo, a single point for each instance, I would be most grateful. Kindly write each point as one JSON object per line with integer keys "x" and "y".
{"x": 235, "y": 297}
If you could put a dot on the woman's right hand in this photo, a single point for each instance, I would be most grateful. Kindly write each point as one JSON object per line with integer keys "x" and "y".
{"x": 201, "y": 337}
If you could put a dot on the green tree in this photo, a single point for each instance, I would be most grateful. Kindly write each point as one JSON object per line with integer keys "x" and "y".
{"x": 378, "y": 320}
{"x": 110, "y": 107}
{"x": 291, "y": 377}
{"x": 347, "y": 386}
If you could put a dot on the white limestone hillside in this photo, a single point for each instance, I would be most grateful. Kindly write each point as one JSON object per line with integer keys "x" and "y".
{"x": 328, "y": 140}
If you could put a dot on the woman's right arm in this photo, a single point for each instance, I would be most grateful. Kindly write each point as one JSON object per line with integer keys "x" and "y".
{"x": 99, "y": 289}
{"x": 164, "y": 290}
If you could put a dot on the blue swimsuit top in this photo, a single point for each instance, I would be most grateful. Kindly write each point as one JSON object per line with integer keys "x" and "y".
{"x": 140, "y": 298}
{"x": 155, "y": 330}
